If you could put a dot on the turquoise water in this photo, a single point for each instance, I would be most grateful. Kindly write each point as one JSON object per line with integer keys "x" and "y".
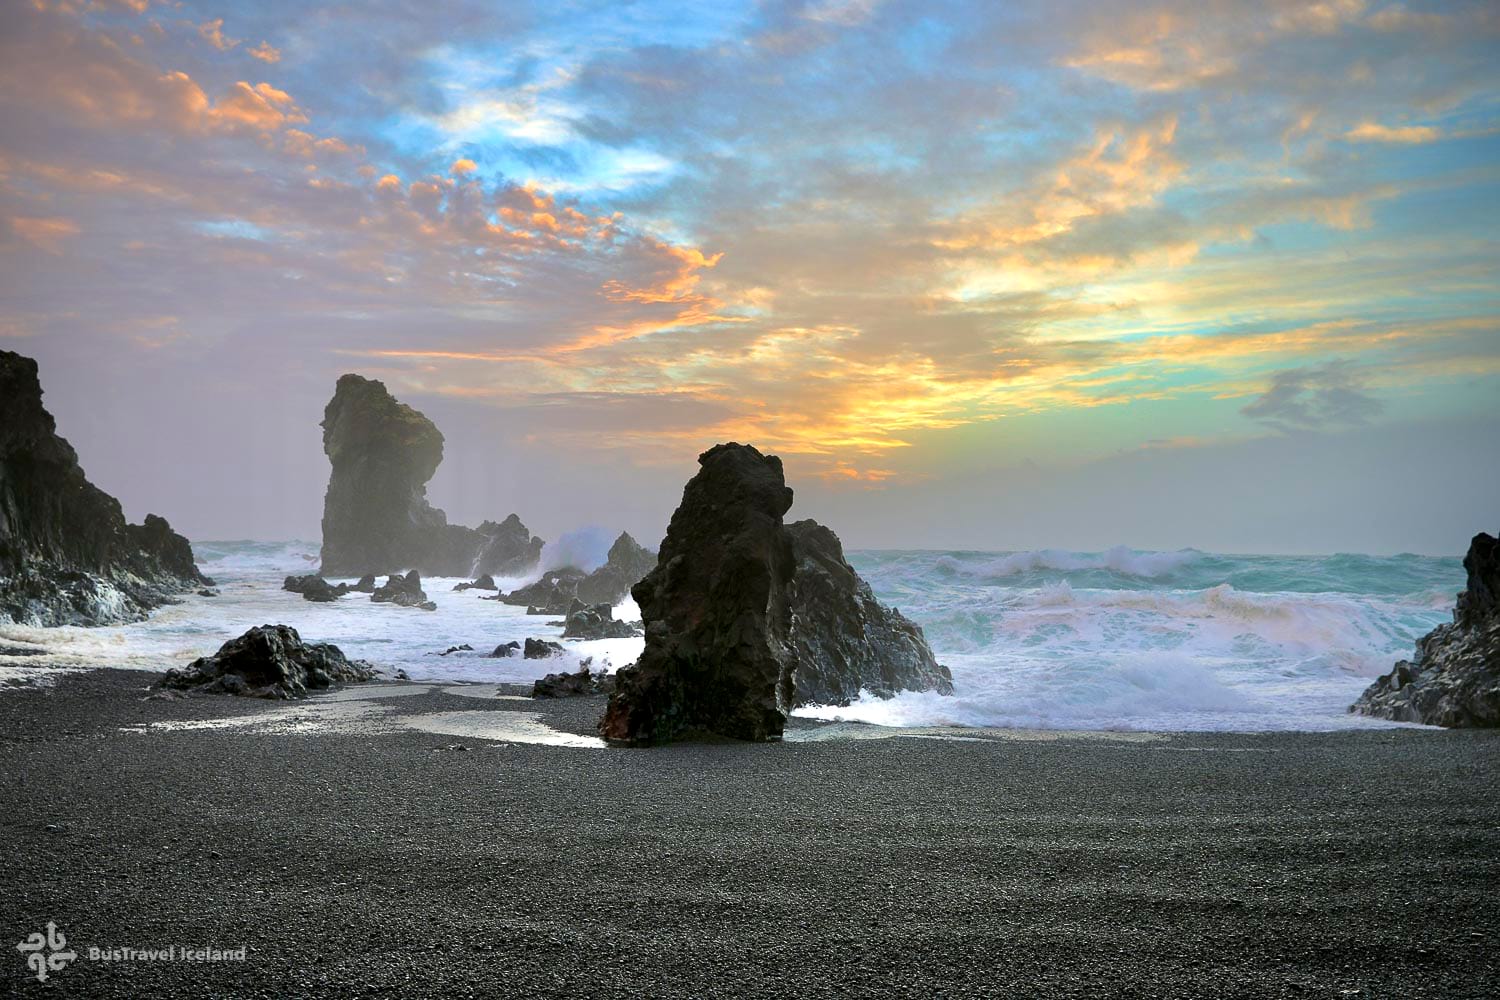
{"x": 1111, "y": 640}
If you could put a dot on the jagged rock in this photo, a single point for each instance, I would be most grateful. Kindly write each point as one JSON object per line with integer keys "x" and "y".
{"x": 506, "y": 649}
{"x": 366, "y": 584}
{"x": 403, "y": 590}
{"x": 314, "y": 588}
{"x": 563, "y": 685}
{"x": 456, "y": 649}
{"x": 845, "y": 640}
{"x": 67, "y": 556}
{"x": 540, "y": 649}
{"x": 508, "y": 549}
{"x": 208, "y": 592}
{"x": 1455, "y": 678}
{"x": 485, "y": 582}
{"x": 627, "y": 565}
{"x": 718, "y": 656}
{"x": 376, "y": 517}
{"x": 269, "y": 661}
{"x": 597, "y": 622}
{"x": 551, "y": 595}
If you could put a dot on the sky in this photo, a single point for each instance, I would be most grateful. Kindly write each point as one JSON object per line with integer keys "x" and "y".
{"x": 985, "y": 275}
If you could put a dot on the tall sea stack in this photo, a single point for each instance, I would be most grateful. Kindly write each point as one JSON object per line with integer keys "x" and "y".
{"x": 1455, "y": 678}
{"x": 747, "y": 617}
{"x": 718, "y": 657}
{"x": 67, "y": 556}
{"x": 376, "y": 518}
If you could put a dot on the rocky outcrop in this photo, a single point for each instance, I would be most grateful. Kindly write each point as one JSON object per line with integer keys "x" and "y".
{"x": 485, "y": 582}
{"x": 553, "y": 594}
{"x": 366, "y": 584}
{"x": 67, "y": 556}
{"x": 511, "y": 648}
{"x": 1455, "y": 678}
{"x": 405, "y": 591}
{"x": 563, "y": 685}
{"x": 314, "y": 588}
{"x": 844, "y": 639}
{"x": 718, "y": 658}
{"x": 627, "y": 565}
{"x": 376, "y": 518}
{"x": 597, "y": 622}
{"x": 269, "y": 661}
{"x": 540, "y": 649}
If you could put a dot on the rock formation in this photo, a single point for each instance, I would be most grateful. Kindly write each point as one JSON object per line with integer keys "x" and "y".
{"x": 405, "y": 591}
{"x": 718, "y": 657}
{"x": 376, "y": 518}
{"x": 314, "y": 588}
{"x": 541, "y": 649}
{"x": 844, "y": 639}
{"x": 506, "y": 649}
{"x": 269, "y": 661}
{"x": 627, "y": 565}
{"x": 1455, "y": 679}
{"x": 485, "y": 582}
{"x": 597, "y": 622}
{"x": 584, "y": 682}
{"x": 553, "y": 594}
{"x": 67, "y": 556}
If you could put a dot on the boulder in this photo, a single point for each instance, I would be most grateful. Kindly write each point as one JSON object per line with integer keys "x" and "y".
{"x": 597, "y": 622}
{"x": 844, "y": 639}
{"x": 718, "y": 658}
{"x": 67, "y": 555}
{"x": 563, "y": 685}
{"x": 405, "y": 591}
{"x": 1455, "y": 678}
{"x": 541, "y": 649}
{"x": 269, "y": 661}
{"x": 506, "y": 649}
{"x": 376, "y": 517}
{"x": 627, "y": 565}
{"x": 366, "y": 584}
{"x": 485, "y": 582}
{"x": 315, "y": 588}
{"x": 464, "y": 648}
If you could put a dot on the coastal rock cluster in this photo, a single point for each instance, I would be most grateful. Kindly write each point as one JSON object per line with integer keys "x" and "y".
{"x": 67, "y": 555}
{"x": 1455, "y": 678}
{"x": 598, "y": 622}
{"x": 554, "y": 593}
{"x": 376, "y": 518}
{"x": 269, "y": 661}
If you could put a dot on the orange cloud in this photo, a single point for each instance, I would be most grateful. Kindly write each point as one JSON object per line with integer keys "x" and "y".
{"x": 45, "y": 233}
{"x": 1408, "y": 134}
{"x": 463, "y": 166}
{"x": 212, "y": 32}
{"x": 266, "y": 53}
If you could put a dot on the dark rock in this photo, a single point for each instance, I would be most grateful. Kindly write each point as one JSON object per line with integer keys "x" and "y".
{"x": 269, "y": 661}
{"x": 485, "y": 582}
{"x": 67, "y": 556}
{"x": 1455, "y": 679}
{"x": 403, "y": 590}
{"x": 208, "y": 592}
{"x": 845, "y": 640}
{"x": 314, "y": 588}
{"x": 540, "y": 649}
{"x": 366, "y": 584}
{"x": 627, "y": 565}
{"x": 457, "y": 649}
{"x": 506, "y": 649}
{"x": 563, "y": 685}
{"x": 718, "y": 657}
{"x": 551, "y": 595}
{"x": 376, "y": 517}
{"x": 597, "y": 622}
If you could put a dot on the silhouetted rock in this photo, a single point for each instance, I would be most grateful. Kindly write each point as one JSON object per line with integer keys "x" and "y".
{"x": 207, "y": 592}
{"x": 551, "y": 595}
{"x": 269, "y": 661}
{"x": 465, "y": 648}
{"x": 403, "y": 590}
{"x": 718, "y": 656}
{"x": 845, "y": 640}
{"x": 597, "y": 622}
{"x": 1455, "y": 679}
{"x": 485, "y": 582}
{"x": 366, "y": 584}
{"x": 627, "y": 565}
{"x": 511, "y": 648}
{"x": 583, "y": 682}
{"x": 67, "y": 556}
{"x": 376, "y": 518}
{"x": 540, "y": 649}
{"x": 314, "y": 588}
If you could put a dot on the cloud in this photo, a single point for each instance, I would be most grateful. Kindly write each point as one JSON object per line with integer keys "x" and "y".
{"x": 462, "y": 166}
{"x": 212, "y": 32}
{"x": 1314, "y": 398}
{"x": 1410, "y": 134}
{"x": 266, "y": 52}
{"x": 48, "y": 234}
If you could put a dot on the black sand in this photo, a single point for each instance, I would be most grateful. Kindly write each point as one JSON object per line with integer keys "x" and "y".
{"x": 1350, "y": 864}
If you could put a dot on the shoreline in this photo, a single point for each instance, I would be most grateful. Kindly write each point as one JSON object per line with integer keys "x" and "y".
{"x": 1202, "y": 864}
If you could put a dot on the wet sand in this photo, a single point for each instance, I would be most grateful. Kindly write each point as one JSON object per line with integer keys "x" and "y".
{"x": 418, "y": 840}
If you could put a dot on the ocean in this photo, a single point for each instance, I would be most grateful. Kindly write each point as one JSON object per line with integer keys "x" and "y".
{"x": 1117, "y": 640}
